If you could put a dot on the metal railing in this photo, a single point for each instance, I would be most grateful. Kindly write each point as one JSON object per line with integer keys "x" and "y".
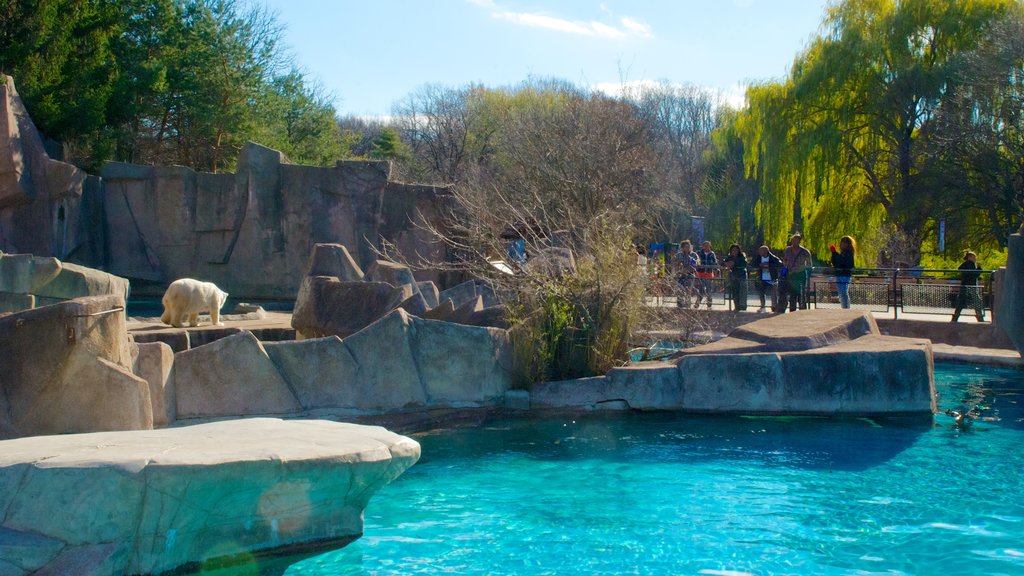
{"x": 906, "y": 290}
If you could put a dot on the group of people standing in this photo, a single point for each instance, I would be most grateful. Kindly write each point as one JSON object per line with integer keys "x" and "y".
{"x": 782, "y": 281}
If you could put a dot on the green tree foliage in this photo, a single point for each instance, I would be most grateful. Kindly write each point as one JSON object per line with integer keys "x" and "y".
{"x": 58, "y": 51}
{"x": 300, "y": 121}
{"x": 388, "y": 146}
{"x": 163, "y": 81}
{"x": 840, "y": 145}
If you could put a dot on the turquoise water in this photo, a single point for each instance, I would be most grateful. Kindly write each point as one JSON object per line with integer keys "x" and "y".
{"x": 679, "y": 494}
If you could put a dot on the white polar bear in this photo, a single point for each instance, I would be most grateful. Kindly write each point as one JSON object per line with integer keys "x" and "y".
{"x": 188, "y": 297}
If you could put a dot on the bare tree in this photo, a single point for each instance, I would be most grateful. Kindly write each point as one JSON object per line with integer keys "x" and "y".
{"x": 446, "y": 128}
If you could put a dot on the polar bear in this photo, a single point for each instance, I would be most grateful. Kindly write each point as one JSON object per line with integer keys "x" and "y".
{"x": 189, "y": 297}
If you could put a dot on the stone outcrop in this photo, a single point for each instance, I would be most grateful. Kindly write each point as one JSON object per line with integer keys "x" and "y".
{"x": 46, "y": 206}
{"x": 232, "y": 376}
{"x": 334, "y": 260}
{"x": 249, "y": 232}
{"x": 823, "y": 362}
{"x": 153, "y": 363}
{"x": 398, "y": 363}
{"x": 68, "y": 368}
{"x": 330, "y": 305}
{"x": 28, "y": 281}
{"x": 155, "y": 501}
{"x": 1009, "y": 310}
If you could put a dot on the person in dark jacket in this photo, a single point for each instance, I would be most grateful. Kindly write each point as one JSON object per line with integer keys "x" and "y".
{"x": 970, "y": 292}
{"x": 736, "y": 262}
{"x": 768, "y": 266}
{"x": 842, "y": 263}
{"x": 796, "y": 264}
{"x": 685, "y": 269}
{"x": 708, "y": 263}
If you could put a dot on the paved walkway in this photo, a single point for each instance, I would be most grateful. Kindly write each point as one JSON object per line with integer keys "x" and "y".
{"x": 966, "y": 317}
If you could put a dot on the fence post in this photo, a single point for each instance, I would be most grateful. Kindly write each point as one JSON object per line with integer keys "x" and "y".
{"x": 895, "y": 275}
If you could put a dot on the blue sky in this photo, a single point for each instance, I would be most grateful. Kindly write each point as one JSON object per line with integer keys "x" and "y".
{"x": 369, "y": 54}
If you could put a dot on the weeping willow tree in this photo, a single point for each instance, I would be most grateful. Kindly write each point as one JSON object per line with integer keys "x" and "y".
{"x": 836, "y": 148}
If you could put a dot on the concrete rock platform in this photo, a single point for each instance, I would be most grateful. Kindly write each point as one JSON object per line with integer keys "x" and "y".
{"x": 811, "y": 362}
{"x": 152, "y": 501}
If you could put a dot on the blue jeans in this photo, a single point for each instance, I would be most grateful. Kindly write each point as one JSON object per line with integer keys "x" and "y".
{"x": 843, "y": 284}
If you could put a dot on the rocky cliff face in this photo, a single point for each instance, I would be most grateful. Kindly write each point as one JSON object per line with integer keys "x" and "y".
{"x": 249, "y": 232}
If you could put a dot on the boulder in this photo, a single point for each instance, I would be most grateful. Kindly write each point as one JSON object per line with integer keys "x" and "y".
{"x": 334, "y": 260}
{"x": 16, "y": 302}
{"x": 74, "y": 281}
{"x": 159, "y": 501}
{"x": 321, "y": 371}
{"x": 232, "y": 376}
{"x": 460, "y": 294}
{"x": 807, "y": 329}
{"x": 430, "y": 293}
{"x": 463, "y": 314}
{"x": 461, "y": 365}
{"x": 392, "y": 273}
{"x": 387, "y": 375}
{"x": 327, "y": 306}
{"x": 67, "y": 368}
{"x": 415, "y": 305}
{"x": 443, "y": 311}
{"x": 153, "y": 364}
{"x": 26, "y": 274}
{"x": 552, "y": 261}
{"x": 820, "y": 362}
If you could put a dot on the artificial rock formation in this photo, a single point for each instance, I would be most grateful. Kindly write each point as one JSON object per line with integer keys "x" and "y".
{"x": 68, "y": 368}
{"x": 1009, "y": 310}
{"x": 28, "y": 281}
{"x": 45, "y": 205}
{"x": 398, "y": 363}
{"x": 155, "y": 501}
{"x": 821, "y": 362}
{"x": 337, "y": 299}
{"x": 249, "y": 232}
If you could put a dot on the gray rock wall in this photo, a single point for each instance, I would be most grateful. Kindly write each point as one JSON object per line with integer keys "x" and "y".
{"x": 46, "y": 206}
{"x": 398, "y": 363}
{"x": 250, "y": 232}
{"x": 1010, "y": 307}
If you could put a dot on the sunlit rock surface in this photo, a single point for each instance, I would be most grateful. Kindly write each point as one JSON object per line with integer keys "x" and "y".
{"x": 152, "y": 501}
{"x": 67, "y": 368}
{"x": 822, "y": 362}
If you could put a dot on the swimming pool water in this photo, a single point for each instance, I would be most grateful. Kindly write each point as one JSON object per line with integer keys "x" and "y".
{"x": 684, "y": 494}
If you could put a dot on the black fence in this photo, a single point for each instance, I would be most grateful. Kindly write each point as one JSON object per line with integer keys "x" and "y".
{"x": 906, "y": 290}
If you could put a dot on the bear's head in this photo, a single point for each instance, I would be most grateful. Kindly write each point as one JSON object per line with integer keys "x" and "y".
{"x": 222, "y": 297}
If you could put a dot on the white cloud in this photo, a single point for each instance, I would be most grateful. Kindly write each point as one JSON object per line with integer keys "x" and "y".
{"x": 627, "y": 26}
{"x": 636, "y": 26}
{"x": 629, "y": 89}
{"x": 734, "y": 96}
